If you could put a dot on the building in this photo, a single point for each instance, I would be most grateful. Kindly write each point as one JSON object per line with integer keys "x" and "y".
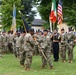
{"x": 37, "y": 24}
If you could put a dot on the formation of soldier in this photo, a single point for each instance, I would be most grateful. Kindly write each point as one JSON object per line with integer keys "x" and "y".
{"x": 24, "y": 45}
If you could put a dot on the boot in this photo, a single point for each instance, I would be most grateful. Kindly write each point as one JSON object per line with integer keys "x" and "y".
{"x": 22, "y": 66}
{"x": 27, "y": 68}
{"x": 64, "y": 61}
{"x": 43, "y": 66}
{"x": 51, "y": 67}
{"x": 70, "y": 61}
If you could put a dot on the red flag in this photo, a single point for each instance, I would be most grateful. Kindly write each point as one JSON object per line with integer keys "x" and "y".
{"x": 53, "y": 12}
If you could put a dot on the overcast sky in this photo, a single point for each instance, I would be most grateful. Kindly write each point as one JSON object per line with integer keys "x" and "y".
{"x": 37, "y": 15}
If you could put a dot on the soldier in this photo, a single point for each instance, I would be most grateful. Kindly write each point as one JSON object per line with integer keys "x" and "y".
{"x": 22, "y": 52}
{"x": 1, "y": 45}
{"x": 28, "y": 48}
{"x": 36, "y": 51}
{"x": 10, "y": 41}
{"x": 63, "y": 45}
{"x": 70, "y": 44}
{"x": 4, "y": 41}
{"x": 18, "y": 44}
{"x": 56, "y": 38}
{"x": 46, "y": 49}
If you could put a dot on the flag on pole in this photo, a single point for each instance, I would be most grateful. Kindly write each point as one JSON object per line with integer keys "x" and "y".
{"x": 26, "y": 26}
{"x": 13, "y": 27}
{"x": 60, "y": 15}
{"x": 53, "y": 15}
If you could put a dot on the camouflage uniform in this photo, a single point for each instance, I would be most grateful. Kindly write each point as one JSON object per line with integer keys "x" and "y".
{"x": 63, "y": 47}
{"x": 22, "y": 52}
{"x": 1, "y": 45}
{"x": 46, "y": 48}
{"x": 5, "y": 42}
{"x": 18, "y": 46}
{"x": 10, "y": 42}
{"x": 28, "y": 48}
{"x": 36, "y": 51}
{"x": 70, "y": 45}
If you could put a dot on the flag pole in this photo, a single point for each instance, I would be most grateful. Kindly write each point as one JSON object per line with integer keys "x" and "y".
{"x": 53, "y": 26}
{"x": 60, "y": 28}
{"x": 23, "y": 22}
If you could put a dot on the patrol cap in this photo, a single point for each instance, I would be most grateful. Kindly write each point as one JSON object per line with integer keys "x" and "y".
{"x": 24, "y": 32}
{"x": 70, "y": 28}
{"x": 31, "y": 30}
{"x": 45, "y": 31}
{"x": 62, "y": 29}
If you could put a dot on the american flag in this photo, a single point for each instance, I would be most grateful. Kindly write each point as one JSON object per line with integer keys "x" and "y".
{"x": 60, "y": 15}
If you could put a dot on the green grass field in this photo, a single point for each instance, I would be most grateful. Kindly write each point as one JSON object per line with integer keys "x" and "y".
{"x": 9, "y": 65}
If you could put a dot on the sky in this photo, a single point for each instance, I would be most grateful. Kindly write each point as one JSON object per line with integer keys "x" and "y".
{"x": 37, "y": 14}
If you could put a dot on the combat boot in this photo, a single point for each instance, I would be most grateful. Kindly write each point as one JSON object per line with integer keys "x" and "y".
{"x": 27, "y": 68}
{"x": 22, "y": 66}
{"x": 64, "y": 61}
{"x": 70, "y": 61}
{"x": 43, "y": 66}
{"x": 51, "y": 67}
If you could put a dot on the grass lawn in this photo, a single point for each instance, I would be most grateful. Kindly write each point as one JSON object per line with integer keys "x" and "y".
{"x": 9, "y": 65}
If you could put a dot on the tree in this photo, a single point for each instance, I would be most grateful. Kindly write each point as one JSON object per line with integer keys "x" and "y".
{"x": 7, "y": 12}
{"x": 27, "y": 10}
{"x": 69, "y": 10}
{"x": 24, "y": 6}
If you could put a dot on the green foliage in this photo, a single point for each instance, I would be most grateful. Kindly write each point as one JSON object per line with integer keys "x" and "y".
{"x": 69, "y": 10}
{"x": 24, "y": 6}
{"x": 7, "y": 12}
{"x": 45, "y": 25}
{"x": 27, "y": 10}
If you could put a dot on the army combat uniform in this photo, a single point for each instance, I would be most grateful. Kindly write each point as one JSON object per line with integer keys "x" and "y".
{"x": 18, "y": 46}
{"x": 28, "y": 48}
{"x": 46, "y": 49}
{"x": 63, "y": 47}
{"x": 1, "y": 45}
{"x": 70, "y": 45}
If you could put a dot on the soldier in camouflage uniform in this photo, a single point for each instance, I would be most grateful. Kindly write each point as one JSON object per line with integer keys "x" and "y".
{"x": 18, "y": 44}
{"x": 46, "y": 48}
{"x": 63, "y": 45}
{"x": 22, "y": 52}
{"x": 28, "y": 48}
{"x": 36, "y": 51}
{"x": 10, "y": 41}
{"x": 1, "y": 45}
{"x": 4, "y": 41}
{"x": 70, "y": 44}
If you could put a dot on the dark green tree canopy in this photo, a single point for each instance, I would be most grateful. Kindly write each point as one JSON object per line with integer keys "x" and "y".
{"x": 27, "y": 10}
{"x": 24, "y": 6}
{"x": 69, "y": 10}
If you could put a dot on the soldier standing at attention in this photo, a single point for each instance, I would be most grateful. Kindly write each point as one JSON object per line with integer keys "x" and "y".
{"x": 28, "y": 48}
{"x": 70, "y": 44}
{"x": 63, "y": 45}
{"x": 46, "y": 50}
{"x": 56, "y": 38}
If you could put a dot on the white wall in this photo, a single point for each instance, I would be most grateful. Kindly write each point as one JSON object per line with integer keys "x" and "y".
{"x": 37, "y": 27}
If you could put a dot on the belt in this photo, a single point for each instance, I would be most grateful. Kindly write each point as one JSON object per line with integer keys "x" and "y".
{"x": 62, "y": 43}
{"x": 70, "y": 41}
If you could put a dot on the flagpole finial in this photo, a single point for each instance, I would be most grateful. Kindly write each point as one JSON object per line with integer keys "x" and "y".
{"x": 19, "y": 11}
